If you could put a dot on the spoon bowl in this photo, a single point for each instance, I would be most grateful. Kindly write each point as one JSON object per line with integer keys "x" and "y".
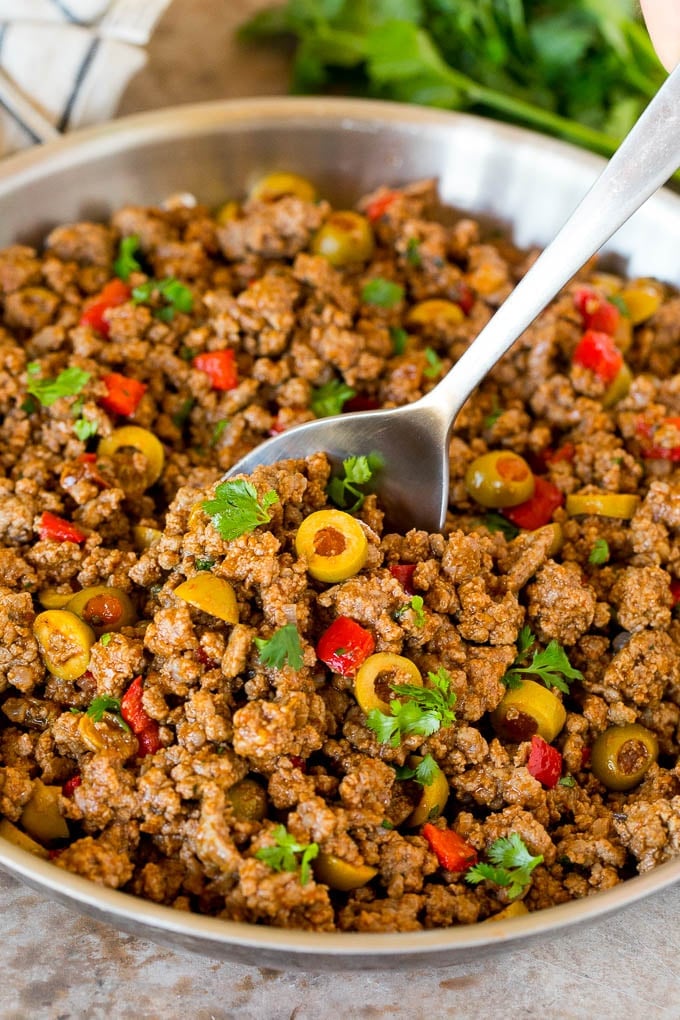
{"x": 412, "y": 441}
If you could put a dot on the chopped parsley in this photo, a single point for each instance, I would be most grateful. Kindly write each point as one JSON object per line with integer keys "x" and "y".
{"x": 599, "y": 554}
{"x": 496, "y": 522}
{"x": 183, "y": 412}
{"x": 105, "y": 640}
{"x": 493, "y": 415}
{"x": 381, "y": 292}
{"x": 620, "y": 303}
{"x": 413, "y": 256}
{"x": 399, "y": 338}
{"x": 126, "y": 263}
{"x": 424, "y": 772}
{"x": 345, "y": 490}
{"x": 551, "y": 665}
{"x": 175, "y": 296}
{"x": 218, "y": 431}
{"x": 566, "y": 781}
{"x": 511, "y": 865}
{"x": 282, "y": 648}
{"x": 434, "y": 365}
{"x": 330, "y": 398}
{"x": 84, "y": 428}
{"x": 288, "y": 855}
{"x": 415, "y": 604}
{"x": 205, "y": 564}
{"x": 68, "y": 383}
{"x": 423, "y": 711}
{"x": 103, "y": 704}
{"x": 236, "y": 508}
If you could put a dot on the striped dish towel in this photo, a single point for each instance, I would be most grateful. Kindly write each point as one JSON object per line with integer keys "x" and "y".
{"x": 65, "y": 63}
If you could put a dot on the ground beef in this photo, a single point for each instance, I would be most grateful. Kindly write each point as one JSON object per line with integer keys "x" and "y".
{"x": 206, "y": 740}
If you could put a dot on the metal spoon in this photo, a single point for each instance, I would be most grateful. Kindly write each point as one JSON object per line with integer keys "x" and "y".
{"x": 413, "y": 441}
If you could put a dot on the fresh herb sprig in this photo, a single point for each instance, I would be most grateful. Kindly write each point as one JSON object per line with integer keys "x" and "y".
{"x": 236, "y": 508}
{"x": 126, "y": 263}
{"x": 288, "y": 855}
{"x": 424, "y": 772}
{"x": 381, "y": 292}
{"x": 551, "y": 664}
{"x": 174, "y": 295}
{"x": 345, "y": 490}
{"x": 423, "y": 710}
{"x": 511, "y": 865}
{"x": 102, "y": 704}
{"x": 599, "y": 554}
{"x": 416, "y": 605}
{"x": 282, "y": 648}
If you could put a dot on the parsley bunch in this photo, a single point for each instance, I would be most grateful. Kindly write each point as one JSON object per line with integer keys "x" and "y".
{"x": 423, "y": 711}
{"x": 581, "y": 71}
{"x": 284, "y": 854}
{"x": 282, "y": 648}
{"x": 551, "y": 665}
{"x": 511, "y": 865}
{"x": 236, "y": 508}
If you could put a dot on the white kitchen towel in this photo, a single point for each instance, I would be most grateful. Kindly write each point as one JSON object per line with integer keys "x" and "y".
{"x": 65, "y": 63}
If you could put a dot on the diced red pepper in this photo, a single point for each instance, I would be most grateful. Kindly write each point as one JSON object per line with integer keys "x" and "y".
{"x": 298, "y": 763}
{"x": 220, "y": 367}
{"x": 360, "y": 403}
{"x": 123, "y": 394}
{"x": 564, "y": 452}
{"x": 55, "y": 852}
{"x": 545, "y": 762}
{"x": 451, "y": 850}
{"x": 345, "y": 645}
{"x": 675, "y": 590}
{"x": 87, "y": 458}
{"x": 379, "y": 205}
{"x": 464, "y": 296}
{"x": 114, "y": 293}
{"x": 585, "y": 756}
{"x": 205, "y": 659}
{"x": 538, "y": 510}
{"x": 654, "y": 451}
{"x": 404, "y": 574}
{"x": 58, "y": 530}
{"x": 598, "y": 313}
{"x": 140, "y": 722}
{"x": 598, "y": 352}
{"x": 70, "y": 785}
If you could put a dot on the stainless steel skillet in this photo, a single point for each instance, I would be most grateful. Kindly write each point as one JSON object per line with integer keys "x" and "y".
{"x": 526, "y": 182}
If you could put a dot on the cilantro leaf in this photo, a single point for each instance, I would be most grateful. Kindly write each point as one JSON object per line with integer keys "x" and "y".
{"x": 105, "y": 639}
{"x": 415, "y": 604}
{"x": 493, "y": 415}
{"x": 84, "y": 428}
{"x": 434, "y": 365}
{"x": 282, "y": 648}
{"x": 183, "y": 412}
{"x": 287, "y": 854}
{"x": 599, "y": 554}
{"x": 399, "y": 337}
{"x": 424, "y": 772}
{"x": 330, "y": 398}
{"x": 551, "y": 664}
{"x": 204, "y": 564}
{"x": 218, "y": 430}
{"x": 345, "y": 490}
{"x": 423, "y": 711}
{"x": 413, "y": 256}
{"x": 126, "y": 263}
{"x": 104, "y": 703}
{"x": 174, "y": 295}
{"x": 68, "y": 383}
{"x": 236, "y": 508}
{"x": 496, "y": 522}
{"x": 511, "y": 865}
{"x": 381, "y": 292}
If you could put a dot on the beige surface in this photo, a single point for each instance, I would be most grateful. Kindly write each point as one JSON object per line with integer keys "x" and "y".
{"x": 59, "y": 966}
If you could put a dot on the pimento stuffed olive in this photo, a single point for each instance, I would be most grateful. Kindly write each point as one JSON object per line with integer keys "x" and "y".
{"x": 334, "y": 545}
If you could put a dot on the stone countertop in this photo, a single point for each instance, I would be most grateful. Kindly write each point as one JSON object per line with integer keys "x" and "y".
{"x": 58, "y": 965}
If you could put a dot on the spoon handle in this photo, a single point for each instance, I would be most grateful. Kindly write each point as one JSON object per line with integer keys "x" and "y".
{"x": 644, "y": 161}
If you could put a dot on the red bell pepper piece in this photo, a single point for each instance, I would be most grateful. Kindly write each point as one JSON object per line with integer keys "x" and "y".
{"x": 538, "y": 510}
{"x": 114, "y": 293}
{"x": 379, "y": 205}
{"x": 298, "y": 763}
{"x": 220, "y": 367}
{"x": 564, "y": 452}
{"x": 655, "y": 451}
{"x": 140, "y": 722}
{"x": 545, "y": 762}
{"x": 598, "y": 352}
{"x": 404, "y": 574}
{"x": 58, "y": 530}
{"x": 675, "y": 590}
{"x": 598, "y": 313}
{"x": 345, "y": 645}
{"x": 70, "y": 785}
{"x": 87, "y": 458}
{"x": 451, "y": 850}
{"x": 123, "y": 394}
